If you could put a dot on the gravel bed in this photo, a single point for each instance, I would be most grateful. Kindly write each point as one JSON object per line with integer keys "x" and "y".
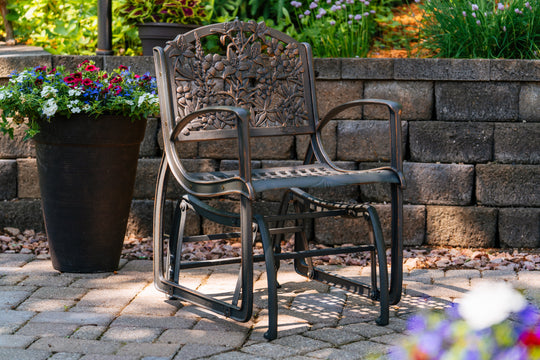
{"x": 14, "y": 240}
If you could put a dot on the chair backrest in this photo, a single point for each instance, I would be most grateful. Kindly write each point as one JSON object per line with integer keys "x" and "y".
{"x": 249, "y": 65}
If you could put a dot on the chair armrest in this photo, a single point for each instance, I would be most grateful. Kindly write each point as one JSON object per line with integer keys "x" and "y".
{"x": 396, "y": 156}
{"x": 240, "y": 184}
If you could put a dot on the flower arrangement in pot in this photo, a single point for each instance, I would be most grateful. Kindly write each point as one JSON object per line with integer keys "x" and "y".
{"x": 87, "y": 126}
{"x": 161, "y": 20}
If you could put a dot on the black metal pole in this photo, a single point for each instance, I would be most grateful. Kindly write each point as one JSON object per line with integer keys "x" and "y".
{"x": 104, "y": 45}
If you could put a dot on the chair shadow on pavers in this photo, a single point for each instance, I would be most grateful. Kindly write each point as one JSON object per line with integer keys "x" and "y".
{"x": 235, "y": 85}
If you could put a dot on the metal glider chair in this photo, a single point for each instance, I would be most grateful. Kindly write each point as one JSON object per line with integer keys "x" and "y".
{"x": 259, "y": 82}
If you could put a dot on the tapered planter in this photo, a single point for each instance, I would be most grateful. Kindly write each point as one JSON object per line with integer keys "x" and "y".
{"x": 87, "y": 172}
{"x": 157, "y": 34}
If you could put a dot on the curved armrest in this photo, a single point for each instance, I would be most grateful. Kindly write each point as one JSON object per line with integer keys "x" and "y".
{"x": 240, "y": 184}
{"x": 396, "y": 160}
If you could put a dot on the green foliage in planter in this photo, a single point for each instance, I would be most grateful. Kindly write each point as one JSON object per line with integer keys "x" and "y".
{"x": 482, "y": 28}
{"x": 66, "y": 27}
{"x": 195, "y": 12}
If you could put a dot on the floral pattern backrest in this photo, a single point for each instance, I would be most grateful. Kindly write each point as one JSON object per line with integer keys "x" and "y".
{"x": 254, "y": 67}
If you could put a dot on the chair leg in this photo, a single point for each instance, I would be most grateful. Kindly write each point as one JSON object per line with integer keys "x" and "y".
{"x": 382, "y": 291}
{"x": 271, "y": 276}
{"x": 396, "y": 267}
{"x": 159, "y": 207}
{"x": 176, "y": 241}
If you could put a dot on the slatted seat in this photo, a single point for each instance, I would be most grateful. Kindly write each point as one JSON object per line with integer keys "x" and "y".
{"x": 305, "y": 176}
{"x": 244, "y": 81}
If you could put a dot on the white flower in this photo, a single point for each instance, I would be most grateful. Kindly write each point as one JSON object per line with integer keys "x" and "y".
{"x": 490, "y": 303}
{"x": 5, "y": 94}
{"x": 74, "y": 92}
{"x": 48, "y": 90}
{"x": 49, "y": 108}
{"x": 148, "y": 98}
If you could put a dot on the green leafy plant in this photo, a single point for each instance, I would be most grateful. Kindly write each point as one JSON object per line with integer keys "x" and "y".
{"x": 67, "y": 27}
{"x": 341, "y": 28}
{"x": 168, "y": 11}
{"x": 41, "y": 93}
{"x": 482, "y": 28}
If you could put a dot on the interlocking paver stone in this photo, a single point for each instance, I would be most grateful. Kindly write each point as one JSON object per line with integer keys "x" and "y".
{"x": 186, "y": 336}
{"x": 47, "y": 329}
{"x": 73, "y": 318}
{"x": 162, "y": 322}
{"x": 10, "y": 299}
{"x": 89, "y": 332}
{"x": 40, "y": 304}
{"x": 11, "y": 320}
{"x": 365, "y": 348}
{"x": 16, "y": 341}
{"x": 301, "y": 343}
{"x": 334, "y": 336}
{"x": 131, "y": 334}
{"x": 22, "y": 354}
{"x": 195, "y": 351}
{"x": 334, "y": 354}
{"x": 57, "y": 344}
{"x": 65, "y": 356}
{"x": 65, "y": 293}
{"x": 148, "y": 349}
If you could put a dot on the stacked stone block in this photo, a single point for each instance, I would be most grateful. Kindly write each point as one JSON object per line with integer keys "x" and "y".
{"x": 470, "y": 141}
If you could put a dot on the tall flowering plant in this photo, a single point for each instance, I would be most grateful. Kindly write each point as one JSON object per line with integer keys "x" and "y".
{"x": 42, "y": 93}
{"x": 492, "y": 322}
{"x": 336, "y": 28}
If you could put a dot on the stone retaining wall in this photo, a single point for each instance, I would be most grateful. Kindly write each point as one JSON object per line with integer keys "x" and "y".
{"x": 471, "y": 132}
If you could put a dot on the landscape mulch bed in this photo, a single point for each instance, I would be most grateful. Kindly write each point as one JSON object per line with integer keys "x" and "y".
{"x": 14, "y": 241}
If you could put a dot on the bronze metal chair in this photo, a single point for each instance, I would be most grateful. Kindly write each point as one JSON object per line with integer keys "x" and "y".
{"x": 259, "y": 82}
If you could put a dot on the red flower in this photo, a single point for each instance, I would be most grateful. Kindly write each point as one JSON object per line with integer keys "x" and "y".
{"x": 530, "y": 338}
{"x": 116, "y": 79}
{"x": 41, "y": 69}
{"x": 38, "y": 82}
{"x": 105, "y": 76}
{"x": 118, "y": 90}
{"x": 122, "y": 67}
{"x": 83, "y": 63}
{"x": 91, "y": 68}
{"x": 77, "y": 75}
{"x": 87, "y": 82}
{"x": 69, "y": 79}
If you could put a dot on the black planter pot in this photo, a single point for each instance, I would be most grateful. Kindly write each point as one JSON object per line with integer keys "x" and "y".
{"x": 157, "y": 34}
{"x": 87, "y": 172}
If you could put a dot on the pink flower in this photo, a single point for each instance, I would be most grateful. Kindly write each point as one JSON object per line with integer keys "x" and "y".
{"x": 83, "y": 63}
{"x": 91, "y": 68}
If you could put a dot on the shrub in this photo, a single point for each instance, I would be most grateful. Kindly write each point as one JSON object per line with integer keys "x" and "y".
{"x": 341, "y": 28}
{"x": 482, "y": 28}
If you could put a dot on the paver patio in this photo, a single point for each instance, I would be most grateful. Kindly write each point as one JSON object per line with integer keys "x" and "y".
{"x": 120, "y": 316}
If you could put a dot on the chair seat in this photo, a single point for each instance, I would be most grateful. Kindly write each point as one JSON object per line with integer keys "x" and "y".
{"x": 304, "y": 176}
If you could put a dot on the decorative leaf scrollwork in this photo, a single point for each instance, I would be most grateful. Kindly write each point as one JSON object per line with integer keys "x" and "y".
{"x": 254, "y": 70}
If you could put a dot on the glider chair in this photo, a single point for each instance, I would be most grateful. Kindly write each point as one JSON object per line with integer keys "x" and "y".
{"x": 244, "y": 81}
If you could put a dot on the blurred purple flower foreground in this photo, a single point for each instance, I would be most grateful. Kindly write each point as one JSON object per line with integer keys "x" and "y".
{"x": 491, "y": 322}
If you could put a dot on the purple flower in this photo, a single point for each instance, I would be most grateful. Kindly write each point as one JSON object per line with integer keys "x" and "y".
{"x": 464, "y": 14}
{"x": 500, "y": 6}
{"x": 474, "y": 7}
{"x": 358, "y": 17}
{"x": 473, "y": 15}
{"x": 478, "y": 22}
{"x": 332, "y": 22}
{"x": 307, "y": 12}
{"x": 296, "y": 4}
{"x": 313, "y": 5}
